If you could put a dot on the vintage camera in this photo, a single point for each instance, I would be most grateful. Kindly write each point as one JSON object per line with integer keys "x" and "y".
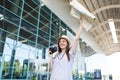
{"x": 53, "y": 49}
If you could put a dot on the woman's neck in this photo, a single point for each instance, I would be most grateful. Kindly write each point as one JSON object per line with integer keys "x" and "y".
{"x": 63, "y": 50}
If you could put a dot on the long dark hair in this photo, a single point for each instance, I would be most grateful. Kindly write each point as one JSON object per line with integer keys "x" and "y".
{"x": 67, "y": 48}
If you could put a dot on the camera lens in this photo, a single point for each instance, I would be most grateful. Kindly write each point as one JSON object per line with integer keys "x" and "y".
{"x": 53, "y": 49}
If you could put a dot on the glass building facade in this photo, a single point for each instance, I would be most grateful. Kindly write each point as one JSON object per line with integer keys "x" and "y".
{"x": 27, "y": 29}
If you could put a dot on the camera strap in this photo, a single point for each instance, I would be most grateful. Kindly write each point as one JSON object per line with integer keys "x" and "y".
{"x": 60, "y": 57}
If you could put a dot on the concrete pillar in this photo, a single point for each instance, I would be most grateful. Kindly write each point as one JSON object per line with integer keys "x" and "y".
{"x": 10, "y": 69}
{"x": 2, "y": 40}
{"x": 43, "y": 53}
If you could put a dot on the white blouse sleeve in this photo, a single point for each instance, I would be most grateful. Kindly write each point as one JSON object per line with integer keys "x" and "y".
{"x": 71, "y": 53}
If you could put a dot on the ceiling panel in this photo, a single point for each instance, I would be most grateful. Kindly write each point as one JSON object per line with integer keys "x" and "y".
{"x": 104, "y": 10}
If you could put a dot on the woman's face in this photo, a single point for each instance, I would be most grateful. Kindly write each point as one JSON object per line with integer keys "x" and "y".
{"x": 63, "y": 43}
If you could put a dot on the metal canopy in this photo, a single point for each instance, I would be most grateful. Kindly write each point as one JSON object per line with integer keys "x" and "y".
{"x": 104, "y": 10}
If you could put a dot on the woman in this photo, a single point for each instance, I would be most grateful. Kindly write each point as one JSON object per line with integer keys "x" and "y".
{"x": 61, "y": 65}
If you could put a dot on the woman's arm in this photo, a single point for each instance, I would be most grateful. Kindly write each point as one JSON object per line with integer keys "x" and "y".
{"x": 51, "y": 64}
{"x": 76, "y": 39}
{"x": 51, "y": 60}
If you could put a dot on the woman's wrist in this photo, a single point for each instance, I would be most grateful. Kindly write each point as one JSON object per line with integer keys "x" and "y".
{"x": 51, "y": 57}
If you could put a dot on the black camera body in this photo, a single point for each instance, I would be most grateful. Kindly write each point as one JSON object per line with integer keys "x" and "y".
{"x": 53, "y": 49}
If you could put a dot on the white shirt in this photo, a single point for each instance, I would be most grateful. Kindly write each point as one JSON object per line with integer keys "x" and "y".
{"x": 62, "y": 68}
